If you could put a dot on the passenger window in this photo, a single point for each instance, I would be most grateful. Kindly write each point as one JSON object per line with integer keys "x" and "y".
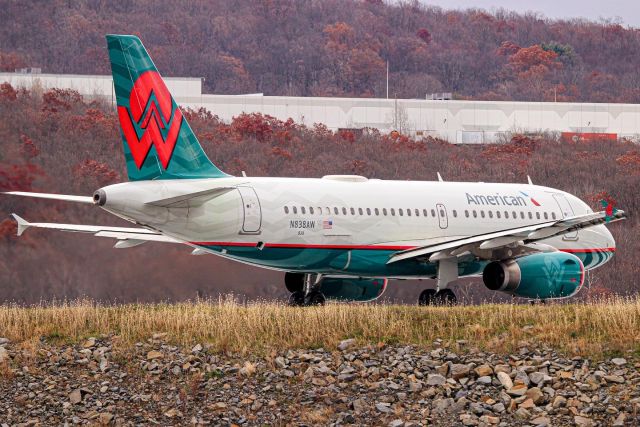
{"x": 369, "y": 211}
{"x": 530, "y": 215}
{"x": 295, "y": 210}
{"x": 335, "y": 211}
{"x": 311, "y": 210}
{"x": 353, "y": 211}
{"x": 303, "y": 210}
{"x": 424, "y": 212}
{"x": 433, "y": 213}
{"x": 482, "y": 214}
{"x": 400, "y": 212}
{"x": 417, "y": 212}
{"x": 408, "y": 212}
{"x": 506, "y": 214}
{"x": 466, "y": 213}
{"x": 319, "y": 210}
{"x": 455, "y": 213}
{"x": 442, "y": 213}
{"x": 286, "y": 209}
{"x": 553, "y": 215}
{"x": 328, "y": 209}
{"x": 360, "y": 211}
{"x": 515, "y": 215}
{"x": 521, "y": 214}
{"x": 344, "y": 211}
{"x": 537, "y": 215}
{"x": 384, "y": 211}
{"x": 475, "y": 214}
{"x": 393, "y": 212}
{"x": 546, "y": 215}
{"x": 490, "y": 214}
{"x": 376, "y": 211}
{"x": 497, "y": 214}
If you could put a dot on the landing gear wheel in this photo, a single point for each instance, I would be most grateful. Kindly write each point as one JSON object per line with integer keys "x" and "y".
{"x": 296, "y": 299}
{"x": 446, "y": 297}
{"x": 314, "y": 298}
{"x": 427, "y": 297}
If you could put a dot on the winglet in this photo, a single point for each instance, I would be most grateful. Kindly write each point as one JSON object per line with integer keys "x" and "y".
{"x": 22, "y": 223}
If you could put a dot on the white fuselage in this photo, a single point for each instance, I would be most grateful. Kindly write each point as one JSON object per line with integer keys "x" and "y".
{"x": 350, "y": 225}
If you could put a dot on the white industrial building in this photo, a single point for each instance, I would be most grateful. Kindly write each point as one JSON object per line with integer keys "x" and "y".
{"x": 456, "y": 121}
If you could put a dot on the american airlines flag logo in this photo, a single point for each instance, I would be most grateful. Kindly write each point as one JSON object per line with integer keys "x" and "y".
{"x": 327, "y": 224}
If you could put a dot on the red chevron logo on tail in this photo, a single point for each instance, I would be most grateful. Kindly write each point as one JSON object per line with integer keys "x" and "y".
{"x": 158, "y": 116}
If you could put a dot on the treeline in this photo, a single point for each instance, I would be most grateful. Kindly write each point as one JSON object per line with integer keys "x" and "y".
{"x": 57, "y": 142}
{"x": 336, "y": 47}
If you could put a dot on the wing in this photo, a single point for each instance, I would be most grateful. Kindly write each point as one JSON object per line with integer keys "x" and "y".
{"x": 126, "y": 237}
{"x": 519, "y": 236}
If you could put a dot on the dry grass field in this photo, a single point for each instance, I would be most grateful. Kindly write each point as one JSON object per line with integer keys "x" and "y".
{"x": 595, "y": 329}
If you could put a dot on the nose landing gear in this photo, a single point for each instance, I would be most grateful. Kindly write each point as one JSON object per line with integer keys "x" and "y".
{"x": 305, "y": 289}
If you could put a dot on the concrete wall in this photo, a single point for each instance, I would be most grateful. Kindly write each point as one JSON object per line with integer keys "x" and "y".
{"x": 456, "y": 121}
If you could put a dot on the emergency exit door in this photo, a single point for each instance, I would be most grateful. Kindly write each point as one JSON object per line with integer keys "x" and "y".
{"x": 441, "y": 210}
{"x": 252, "y": 220}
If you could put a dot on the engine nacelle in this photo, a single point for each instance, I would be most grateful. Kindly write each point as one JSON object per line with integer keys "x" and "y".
{"x": 345, "y": 289}
{"x": 541, "y": 275}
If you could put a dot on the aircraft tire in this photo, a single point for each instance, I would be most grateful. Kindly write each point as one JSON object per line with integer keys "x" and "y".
{"x": 315, "y": 298}
{"x": 446, "y": 297}
{"x": 296, "y": 299}
{"x": 427, "y": 297}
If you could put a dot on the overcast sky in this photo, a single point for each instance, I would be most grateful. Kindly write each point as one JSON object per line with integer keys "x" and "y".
{"x": 625, "y": 11}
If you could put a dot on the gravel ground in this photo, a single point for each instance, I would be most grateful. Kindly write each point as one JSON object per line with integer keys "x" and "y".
{"x": 104, "y": 382}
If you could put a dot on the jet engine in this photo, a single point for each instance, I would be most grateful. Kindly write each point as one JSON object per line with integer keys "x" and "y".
{"x": 345, "y": 289}
{"x": 541, "y": 275}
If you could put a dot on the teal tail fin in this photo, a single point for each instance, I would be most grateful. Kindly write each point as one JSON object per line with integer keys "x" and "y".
{"x": 158, "y": 142}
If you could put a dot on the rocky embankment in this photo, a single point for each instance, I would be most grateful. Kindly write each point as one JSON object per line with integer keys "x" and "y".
{"x": 101, "y": 381}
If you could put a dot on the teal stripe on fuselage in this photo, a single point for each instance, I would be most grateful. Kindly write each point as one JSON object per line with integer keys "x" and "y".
{"x": 362, "y": 262}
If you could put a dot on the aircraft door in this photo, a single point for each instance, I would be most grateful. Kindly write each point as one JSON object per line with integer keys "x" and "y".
{"x": 567, "y": 211}
{"x": 252, "y": 220}
{"x": 441, "y": 210}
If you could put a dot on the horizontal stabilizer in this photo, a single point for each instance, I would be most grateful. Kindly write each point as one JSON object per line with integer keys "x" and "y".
{"x": 127, "y": 237}
{"x": 191, "y": 200}
{"x": 50, "y": 196}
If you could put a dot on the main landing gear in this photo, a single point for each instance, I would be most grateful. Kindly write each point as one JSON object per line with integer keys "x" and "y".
{"x": 447, "y": 273}
{"x": 433, "y": 297}
{"x": 304, "y": 288}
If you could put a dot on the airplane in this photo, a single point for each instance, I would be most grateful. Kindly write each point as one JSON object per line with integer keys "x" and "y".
{"x": 339, "y": 237}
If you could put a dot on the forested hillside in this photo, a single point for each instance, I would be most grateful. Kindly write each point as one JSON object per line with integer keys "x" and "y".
{"x": 58, "y": 142}
{"x": 335, "y": 47}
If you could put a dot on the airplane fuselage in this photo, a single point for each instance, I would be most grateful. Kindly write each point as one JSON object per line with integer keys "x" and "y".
{"x": 348, "y": 225}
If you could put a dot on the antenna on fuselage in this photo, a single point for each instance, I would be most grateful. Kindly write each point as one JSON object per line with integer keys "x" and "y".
{"x": 529, "y": 180}
{"x": 244, "y": 174}
{"x": 440, "y": 177}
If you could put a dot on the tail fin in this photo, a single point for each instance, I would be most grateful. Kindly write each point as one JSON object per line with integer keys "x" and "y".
{"x": 158, "y": 142}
